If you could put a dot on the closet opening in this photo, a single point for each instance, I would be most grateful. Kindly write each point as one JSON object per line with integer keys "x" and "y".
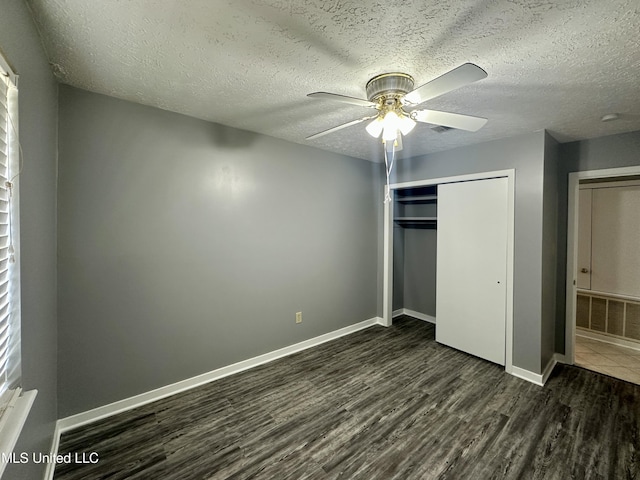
{"x": 415, "y": 246}
{"x": 413, "y": 223}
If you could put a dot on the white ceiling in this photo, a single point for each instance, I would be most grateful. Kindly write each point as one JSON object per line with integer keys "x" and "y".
{"x": 557, "y": 65}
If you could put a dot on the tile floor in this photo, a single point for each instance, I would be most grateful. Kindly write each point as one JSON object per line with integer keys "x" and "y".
{"x": 613, "y": 360}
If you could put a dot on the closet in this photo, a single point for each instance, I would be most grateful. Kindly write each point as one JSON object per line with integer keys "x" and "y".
{"x": 415, "y": 239}
{"x": 468, "y": 222}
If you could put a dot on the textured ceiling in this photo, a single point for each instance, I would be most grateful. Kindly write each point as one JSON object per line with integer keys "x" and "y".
{"x": 556, "y": 65}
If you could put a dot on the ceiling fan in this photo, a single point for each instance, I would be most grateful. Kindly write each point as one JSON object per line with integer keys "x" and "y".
{"x": 394, "y": 98}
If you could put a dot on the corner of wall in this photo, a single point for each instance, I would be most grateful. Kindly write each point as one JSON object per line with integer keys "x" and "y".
{"x": 550, "y": 323}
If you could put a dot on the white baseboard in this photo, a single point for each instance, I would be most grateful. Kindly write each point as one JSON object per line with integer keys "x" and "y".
{"x": 74, "y": 421}
{"x": 538, "y": 378}
{"x": 560, "y": 358}
{"x": 553, "y": 361}
{"x": 412, "y": 313}
{"x": 527, "y": 375}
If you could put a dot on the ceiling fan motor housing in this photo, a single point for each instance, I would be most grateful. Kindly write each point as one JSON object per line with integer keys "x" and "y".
{"x": 389, "y": 86}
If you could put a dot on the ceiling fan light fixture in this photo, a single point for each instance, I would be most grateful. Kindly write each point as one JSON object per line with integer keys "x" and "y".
{"x": 391, "y": 124}
{"x": 389, "y": 134}
{"x": 375, "y": 128}
{"x": 394, "y": 123}
{"x": 391, "y": 119}
{"x": 406, "y": 124}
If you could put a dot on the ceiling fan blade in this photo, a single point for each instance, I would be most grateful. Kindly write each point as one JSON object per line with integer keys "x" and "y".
{"x": 342, "y": 98}
{"x": 456, "y": 78}
{"x": 340, "y": 127}
{"x": 452, "y": 120}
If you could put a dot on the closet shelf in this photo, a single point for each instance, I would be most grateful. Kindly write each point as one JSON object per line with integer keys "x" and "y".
{"x": 407, "y": 221}
{"x": 418, "y": 199}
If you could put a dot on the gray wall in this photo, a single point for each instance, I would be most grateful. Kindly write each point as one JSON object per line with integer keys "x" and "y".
{"x": 604, "y": 152}
{"x": 549, "y": 248}
{"x": 21, "y": 46}
{"x": 525, "y": 153}
{"x": 185, "y": 246}
{"x": 414, "y": 268}
{"x": 419, "y": 292}
{"x": 419, "y": 261}
{"x": 398, "y": 267}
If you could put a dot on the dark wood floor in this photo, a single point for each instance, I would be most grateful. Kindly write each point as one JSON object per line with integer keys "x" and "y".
{"x": 383, "y": 403}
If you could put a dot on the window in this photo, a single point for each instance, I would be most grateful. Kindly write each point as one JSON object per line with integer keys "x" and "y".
{"x": 14, "y": 404}
{"x": 9, "y": 286}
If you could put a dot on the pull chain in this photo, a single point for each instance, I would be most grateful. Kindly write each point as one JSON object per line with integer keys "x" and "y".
{"x": 388, "y": 168}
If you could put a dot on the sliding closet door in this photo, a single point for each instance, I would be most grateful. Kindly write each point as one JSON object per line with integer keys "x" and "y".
{"x": 472, "y": 267}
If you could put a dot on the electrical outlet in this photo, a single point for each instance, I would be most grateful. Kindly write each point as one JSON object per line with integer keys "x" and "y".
{"x": 298, "y": 317}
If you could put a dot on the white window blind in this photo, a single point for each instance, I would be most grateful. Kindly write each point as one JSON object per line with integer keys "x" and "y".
{"x": 9, "y": 285}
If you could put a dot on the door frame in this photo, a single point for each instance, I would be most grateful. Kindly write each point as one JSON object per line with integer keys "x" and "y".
{"x": 571, "y": 280}
{"x": 387, "y": 287}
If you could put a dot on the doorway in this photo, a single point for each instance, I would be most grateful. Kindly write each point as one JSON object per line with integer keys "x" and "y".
{"x": 598, "y": 316}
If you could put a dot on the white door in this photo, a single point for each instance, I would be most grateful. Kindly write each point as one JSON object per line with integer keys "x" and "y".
{"x": 615, "y": 241}
{"x": 472, "y": 267}
{"x": 584, "y": 239}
